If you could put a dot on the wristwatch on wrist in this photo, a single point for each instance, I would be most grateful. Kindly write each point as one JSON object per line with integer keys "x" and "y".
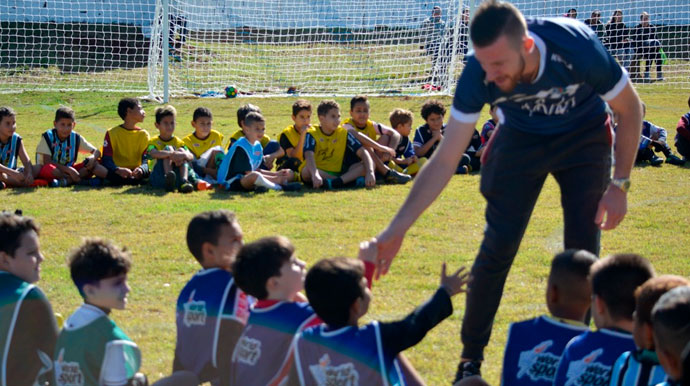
{"x": 621, "y": 183}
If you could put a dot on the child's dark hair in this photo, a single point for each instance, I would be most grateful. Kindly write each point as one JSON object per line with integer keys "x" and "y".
{"x": 649, "y": 293}
{"x": 433, "y": 106}
{"x": 299, "y": 105}
{"x": 325, "y": 106}
{"x": 688, "y": 106}
{"x": 64, "y": 113}
{"x": 253, "y": 117}
{"x": 615, "y": 278}
{"x": 8, "y": 112}
{"x": 202, "y": 112}
{"x": 126, "y": 104}
{"x": 205, "y": 228}
{"x": 358, "y": 99}
{"x": 570, "y": 271}
{"x": 97, "y": 259}
{"x": 400, "y": 117}
{"x": 12, "y": 227}
{"x": 671, "y": 320}
{"x": 164, "y": 111}
{"x": 244, "y": 110}
{"x": 332, "y": 285}
{"x": 259, "y": 261}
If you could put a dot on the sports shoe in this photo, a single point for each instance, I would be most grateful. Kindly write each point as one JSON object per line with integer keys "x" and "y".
{"x": 292, "y": 186}
{"x": 395, "y": 177}
{"x": 170, "y": 178}
{"x": 655, "y": 160}
{"x": 674, "y": 160}
{"x": 360, "y": 182}
{"x": 467, "y": 369}
{"x": 186, "y": 187}
{"x": 203, "y": 185}
{"x": 462, "y": 170}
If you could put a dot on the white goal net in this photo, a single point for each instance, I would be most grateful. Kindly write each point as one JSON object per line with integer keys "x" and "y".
{"x": 279, "y": 47}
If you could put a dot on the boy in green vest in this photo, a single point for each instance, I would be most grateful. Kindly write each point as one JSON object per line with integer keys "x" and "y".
{"x": 91, "y": 349}
{"x": 27, "y": 324}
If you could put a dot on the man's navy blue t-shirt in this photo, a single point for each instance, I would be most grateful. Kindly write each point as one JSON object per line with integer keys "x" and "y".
{"x": 576, "y": 75}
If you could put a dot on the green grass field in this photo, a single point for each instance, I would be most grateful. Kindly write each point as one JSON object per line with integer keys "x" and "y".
{"x": 324, "y": 224}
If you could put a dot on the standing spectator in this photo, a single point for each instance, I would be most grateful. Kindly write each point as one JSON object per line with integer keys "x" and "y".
{"x": 434, "y": 33}
{"x": 648, "y": 47}
{"x": 594, "y": 22}
{"x": 572, "y": 13}
{"x": 464, "y": 33}
{"x": 618, "y": 36}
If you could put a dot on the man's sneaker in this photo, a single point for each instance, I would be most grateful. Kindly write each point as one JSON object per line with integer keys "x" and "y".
{"x": 674, "y": 160}
{"x": 396, "y": 177}
{"x": 292, "y": 186}
{"x": 467, "y": 369}
{"x": 170, "y": 178}
{"x": 656, "y": 161}
{"x": 186, "y": 187}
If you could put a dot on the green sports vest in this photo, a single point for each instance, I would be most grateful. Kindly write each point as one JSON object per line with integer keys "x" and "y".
{"x": 79, "y": 353}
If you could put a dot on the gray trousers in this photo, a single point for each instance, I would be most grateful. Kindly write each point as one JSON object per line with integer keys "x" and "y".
{"x": 511, "y": 179}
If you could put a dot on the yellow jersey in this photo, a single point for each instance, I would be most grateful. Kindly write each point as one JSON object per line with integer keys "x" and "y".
{"x": 127, "y": 147}
{"x": 369, "y": 130}
{"x": 329, "y": 150}
{"x": 199, "y": 146}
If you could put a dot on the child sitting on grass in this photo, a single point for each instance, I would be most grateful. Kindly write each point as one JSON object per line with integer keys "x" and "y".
{"x": 683, "y": 135}
{"x": 205, "y": 143}
{"x": 27, "y": 325}
{"x": 535, "y": 346}
{"x": 271, "y": 149}
{"x": 653, "y": 139}
{"x": 292, "y": 138}
{"x": 592, "y": 354}
{"x": 12, "y": 149}
{"x": 642, "y": 367}
{"x": 124, "y": 146}
{"x": 405, "y": 161}
{"x": 58, "y": 149}
{"x": 269, "y": 270}
{"x": 240, "y": 170}
{"x": 379, "y": 140}
{"x": 169, "y": 152}
{"x": 340, "y": 349}
{"x": 91, "y": 349}
{"x": 333, "y": 155}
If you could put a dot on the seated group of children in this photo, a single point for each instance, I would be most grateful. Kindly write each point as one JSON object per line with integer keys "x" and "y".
{"x": 331, "y": 154}
{"x": 653, "y": 139}
{"x": 242, "y": 319}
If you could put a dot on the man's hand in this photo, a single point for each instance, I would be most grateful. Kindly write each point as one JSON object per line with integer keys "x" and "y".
{"x": 613, "y": 205}
{"x": 123, "y": 172}
{"x": 455, "y": 283}
{"x": 388, "y": 245}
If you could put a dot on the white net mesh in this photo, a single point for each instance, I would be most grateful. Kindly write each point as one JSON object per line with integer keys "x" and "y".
{"x": 268, "y": 47}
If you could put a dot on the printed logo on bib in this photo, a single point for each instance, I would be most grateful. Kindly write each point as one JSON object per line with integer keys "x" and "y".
{"x": 68, "y": 373}
{"x": 194, "y": 312}
{"x": 248, "y": 350}
{"x": 555, "y": 101}
{"x": 538, "y": 364}
{"x": 586, "y": 371}
{"x": 327, "y": 375}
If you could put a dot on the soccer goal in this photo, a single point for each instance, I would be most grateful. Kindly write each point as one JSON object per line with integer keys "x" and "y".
{"x": 284, "y": 47}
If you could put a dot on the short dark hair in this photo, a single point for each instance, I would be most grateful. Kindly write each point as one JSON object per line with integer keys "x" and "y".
{"x": 399, "y": 117}
{"x": 6, "y": 111}
{"x": 325, "y": 106}
{"x": 97, "y": 259}
{"x": 253, "y": 117}
{"x": 570, "y": 270}
{"x": 126, "y": 104}
{"x": 164, "y": 111}
{"x": 433, "y": 106}
{"x": 205, "y": 228}
{"x": 332, "y": 285}
{"x": 244, "y": 110}
{"x": 64, "y": 112}
{"x": 494, "y": 19}
{"x": 259, "y": 261}
{"x": 358, "y": 99}
{"x": 671, "y": 320}
{"x": 615, "y": 278}
{"x": 202, "y": 112}
{"x": 649, "y": 293}
{"x": 12, "y": 228}
{"x": 299, "y": 105}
